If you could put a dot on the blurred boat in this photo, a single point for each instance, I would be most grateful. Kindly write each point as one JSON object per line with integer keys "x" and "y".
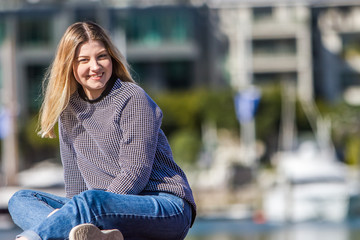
{"x": 311, "y": 184}
{"x": 44, "y": 176}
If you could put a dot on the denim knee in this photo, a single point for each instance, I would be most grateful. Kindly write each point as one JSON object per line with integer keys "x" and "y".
{"x": 17, "y": 197}
{"x": 16, "y": 206}
{"x": 90, "y": 197}
{"x": 87, "y": 196}
{"x": 83, "y": 203}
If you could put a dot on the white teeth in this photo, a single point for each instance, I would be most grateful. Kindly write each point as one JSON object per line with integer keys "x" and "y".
{"x": 98, "y": 75}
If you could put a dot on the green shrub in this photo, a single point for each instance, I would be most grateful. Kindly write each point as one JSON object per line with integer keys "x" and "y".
{"x": 186, "y": 145}
{"x": 33, "y": 148}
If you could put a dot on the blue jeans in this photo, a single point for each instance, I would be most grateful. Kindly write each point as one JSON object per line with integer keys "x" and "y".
{"x": 150, "y": 215}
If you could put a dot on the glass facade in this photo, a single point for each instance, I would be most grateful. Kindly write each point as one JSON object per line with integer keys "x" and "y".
{"x": 1, "y": 82}
{"x": 2, "y": 29}
{"x": 35, "y": 31}
{"x": 179, "y": 74}
{"x": 351, "y": 45}
{"x": 349, "y": 79}
{"x": 262, "y": 13}
{"x": 274, "y": 47}
{"x": 169, "y": 75}
{"x": 260, "y": 78}
{"x": 34, "y": 76}
{"x": 2, "y": 37}
{"x": 85, "y": 14}
{"x": 153, "y": 28}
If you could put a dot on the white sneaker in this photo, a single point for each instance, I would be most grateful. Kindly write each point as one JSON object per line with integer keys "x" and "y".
{"x": 88, "y": 231}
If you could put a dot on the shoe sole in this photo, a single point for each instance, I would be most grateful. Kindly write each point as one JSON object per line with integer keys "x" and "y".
{"x": 88, "y": 231}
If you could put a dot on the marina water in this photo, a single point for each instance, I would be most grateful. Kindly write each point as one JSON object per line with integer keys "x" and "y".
{"x": 222, "y": 229}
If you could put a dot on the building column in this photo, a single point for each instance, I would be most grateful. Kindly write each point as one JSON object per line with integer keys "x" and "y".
{"x": 10, "y": 159}
{"x": 304, "y": 56}
{"x": 236, "y": 23}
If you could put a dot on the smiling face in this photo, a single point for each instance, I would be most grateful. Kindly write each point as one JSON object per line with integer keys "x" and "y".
{"x": 92, "y": 67}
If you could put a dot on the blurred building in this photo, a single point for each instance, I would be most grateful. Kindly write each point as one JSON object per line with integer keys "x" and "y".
{"x": 314, "y": 43}
{"x": 181, "y": 44}
{"x": 337, "y": 52}
{"x": 168, "y": 46}
{"x": 269, "y": 42}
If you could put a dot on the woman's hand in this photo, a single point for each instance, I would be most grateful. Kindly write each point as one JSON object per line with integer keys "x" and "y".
{"x": 53, "y": 212}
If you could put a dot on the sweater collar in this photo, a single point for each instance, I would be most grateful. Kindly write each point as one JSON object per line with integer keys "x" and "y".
{"x": 106, "y": 91}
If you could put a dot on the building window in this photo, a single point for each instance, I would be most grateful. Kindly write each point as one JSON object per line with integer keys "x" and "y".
{"x": 163, "y": 75}
{"x": 34, "y": 76}
{"x": 153, "y": 28}
{"x": 349, "y": 78}
{"x": 1, "y": 81}
{"x": 2, "y": 29}
{"x": 264, "y": 78}
{"x": 351, "y": 45}
{"x": 274, "y": 47}
{"x": 262, "y": 13}
{"x": 86, "y": 14}
{"x": 178, "y": 74}
{"x": 35, "y": 31}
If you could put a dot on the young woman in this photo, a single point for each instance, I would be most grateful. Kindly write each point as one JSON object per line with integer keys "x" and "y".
{"x": 118, "y": 167}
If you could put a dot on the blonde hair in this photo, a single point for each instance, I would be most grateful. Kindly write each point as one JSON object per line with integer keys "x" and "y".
{"x": 60, "y": 79}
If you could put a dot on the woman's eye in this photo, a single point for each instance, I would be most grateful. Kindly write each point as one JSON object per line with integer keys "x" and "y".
{"x": 102, "y": 56}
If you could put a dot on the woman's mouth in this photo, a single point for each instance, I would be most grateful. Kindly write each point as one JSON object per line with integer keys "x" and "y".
{"x": 96, "y": 76}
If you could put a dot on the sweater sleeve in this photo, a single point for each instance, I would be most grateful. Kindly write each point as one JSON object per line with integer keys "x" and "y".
{"x": 74, "y": 182}
{"x": 140, "y": 121}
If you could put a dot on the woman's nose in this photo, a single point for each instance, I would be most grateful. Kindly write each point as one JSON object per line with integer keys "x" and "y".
{"x": 94, "y": 65}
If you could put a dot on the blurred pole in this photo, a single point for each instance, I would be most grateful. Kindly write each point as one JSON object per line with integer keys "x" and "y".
{"x": 246, "y": 102}
{"x": 288, "y": 106}
{"x": 247, "y": 128}
{"x": 237, "y": 24}
{"x": 10, "y": 160}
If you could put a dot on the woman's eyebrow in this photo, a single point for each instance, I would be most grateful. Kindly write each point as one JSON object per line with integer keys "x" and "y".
{"x": 100, "y": 52}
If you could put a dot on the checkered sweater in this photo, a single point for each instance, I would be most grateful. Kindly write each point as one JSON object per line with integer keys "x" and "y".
{"x": 116, "y": 144}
